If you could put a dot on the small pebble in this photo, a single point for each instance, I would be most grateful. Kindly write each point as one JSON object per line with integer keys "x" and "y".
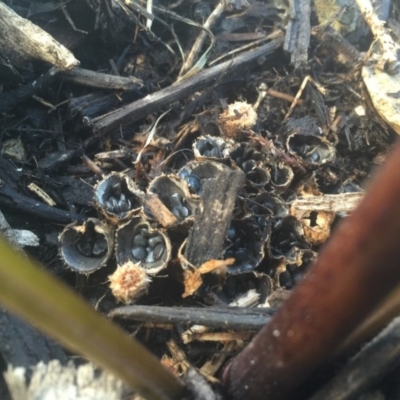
{"x": 225, "y": 152}
{"x": 175, "y": 211}
{"x": 150, "y": 258}
{"x": 124, "y": 205}
{"x": 184, "y": 174}
{"x": 153, "y": 241}
{"x": 313, "y": 157}
{"x": 158, "y": 251}
{"x": 180, "y": 212}
{"x": 231, "y": 233}
{"x": 139, "y": 253}
{"x": 176, "y": 200}
{"x": 114, "y": 202}
{"x": 99, "y": 247}
{"x": 144, "y": 231}
{"x": 215, "y": 153}
{"x": 184, "y": 212}
{"x": 140, "y": 240}
{"x": 194, "y": 183}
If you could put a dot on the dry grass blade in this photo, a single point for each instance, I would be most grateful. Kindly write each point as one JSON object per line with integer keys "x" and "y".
{"x": 31, "y": 293}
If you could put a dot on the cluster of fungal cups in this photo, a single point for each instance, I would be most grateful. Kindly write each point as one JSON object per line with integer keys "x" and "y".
{"x": 141, "y": 249}
{"x": 139, "y": 242}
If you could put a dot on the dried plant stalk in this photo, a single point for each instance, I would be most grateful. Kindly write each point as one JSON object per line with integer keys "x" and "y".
{"x": 336, "y": 203}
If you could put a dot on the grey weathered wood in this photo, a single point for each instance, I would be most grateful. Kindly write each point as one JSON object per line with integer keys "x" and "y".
{"x": 297, "y": 39}
{"x": 100, "y": 80}
{"x": 207, "y": 237}
{"x": 21, "y": 40}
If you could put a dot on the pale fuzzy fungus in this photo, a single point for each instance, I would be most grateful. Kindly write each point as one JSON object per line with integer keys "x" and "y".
{"x": 129, "y": 282}
{"x": 237, "y": 119}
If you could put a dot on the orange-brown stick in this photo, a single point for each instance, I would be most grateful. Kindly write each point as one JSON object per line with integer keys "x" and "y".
{"x": 356, "y": 269}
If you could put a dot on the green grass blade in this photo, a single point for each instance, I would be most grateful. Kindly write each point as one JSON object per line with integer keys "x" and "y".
{"x": 32, "y": 293}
